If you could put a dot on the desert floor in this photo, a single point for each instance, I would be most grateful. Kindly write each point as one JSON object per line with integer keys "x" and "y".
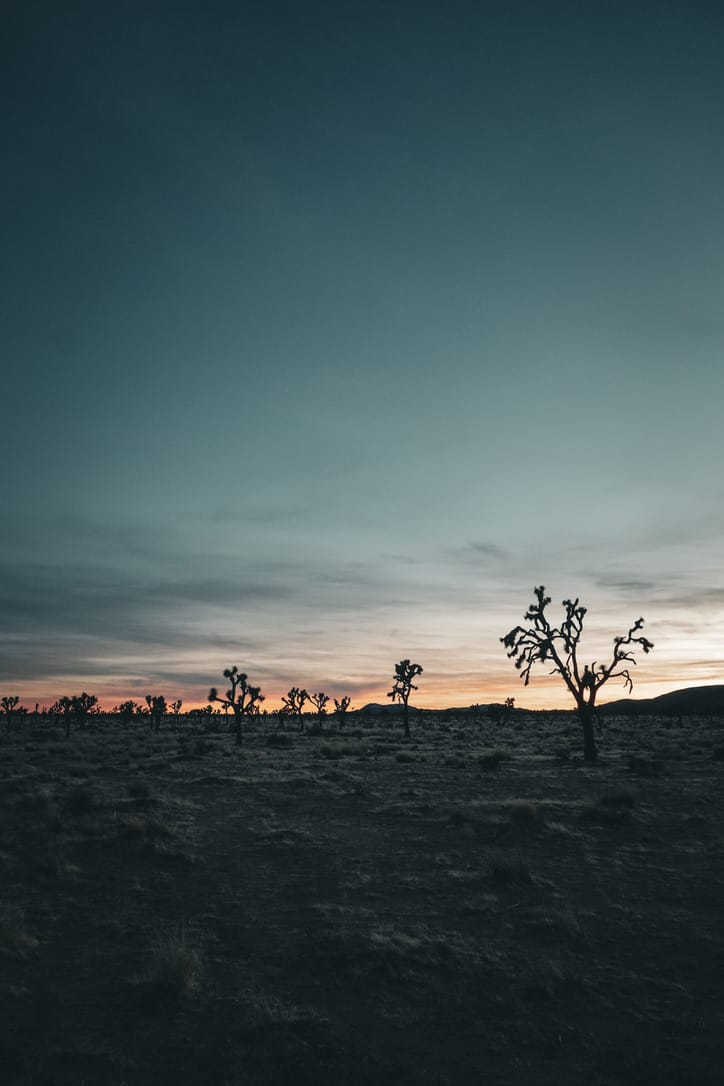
{"x": 473, "y": 906}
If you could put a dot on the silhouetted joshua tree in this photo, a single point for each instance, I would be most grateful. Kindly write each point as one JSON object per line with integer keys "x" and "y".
{"x": 157, "y": 707}
{"x": 320, "y": 701}
{"x": 79, "y": 706}
{"x": 241, "y": 697}
{"x": 9, "y": 704}
{"x": 294, "y": 702}
{"x": 540, "y": 642}
{"x": 341, "y": 708}
{"x": 175, "y": 708}
{"x": 403, "y": 686}
{"x": 127, "y": 710}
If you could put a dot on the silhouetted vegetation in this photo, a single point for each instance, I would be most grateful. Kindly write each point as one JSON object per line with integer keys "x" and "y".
{"x": 402, "y": 687}
{"x": 294, "y": 702}
{"x": 127, "y": 710}
{"x": 320, "y": 702}
{"x": 241, "y": 697}
{"x": 539, "y": 642}
{"x": 341, "y": 708}
{"x": 156, "y": 708}
{"x": 9, "y": 705}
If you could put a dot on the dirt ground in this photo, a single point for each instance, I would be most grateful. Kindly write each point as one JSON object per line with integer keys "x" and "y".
{"x": 474, "y": 906}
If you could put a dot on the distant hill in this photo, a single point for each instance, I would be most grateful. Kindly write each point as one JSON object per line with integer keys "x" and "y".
{"x": 692, "y": 701}
{"x": 377, "y": 707}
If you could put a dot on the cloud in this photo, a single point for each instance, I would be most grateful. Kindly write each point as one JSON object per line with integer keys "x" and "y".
{"x": 489, "y": 550}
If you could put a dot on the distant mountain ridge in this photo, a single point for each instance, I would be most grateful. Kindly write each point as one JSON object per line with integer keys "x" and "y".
{"x": 689, "y": 701}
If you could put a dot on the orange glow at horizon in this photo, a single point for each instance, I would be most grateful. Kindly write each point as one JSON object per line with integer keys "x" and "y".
{"x": 543, "y": 692}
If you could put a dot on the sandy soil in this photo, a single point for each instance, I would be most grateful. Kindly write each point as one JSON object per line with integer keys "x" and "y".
{"x": 474, "y": 906}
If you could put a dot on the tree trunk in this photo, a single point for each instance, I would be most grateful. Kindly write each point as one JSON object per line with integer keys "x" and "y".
{"x": 405, "y": 718}
{"x": 238, "y": 729}
{"x": 585, "y": 715}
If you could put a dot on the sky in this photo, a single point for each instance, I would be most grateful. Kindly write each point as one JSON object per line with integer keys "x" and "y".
{"x": 332, "y": 329}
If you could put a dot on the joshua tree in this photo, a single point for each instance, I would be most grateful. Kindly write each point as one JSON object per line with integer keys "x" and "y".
{"x": 402, "y": 687}
{"x": 176, "y": 709}
{"x": 79, "y": 706}
{"x": 127, "y": 710}
{"x": 341, "y": 708}
{"x": 294, "y": 703}
{"x": 499, "y": 713}
{"x": 320, "y": 700}
{"x": 9, "y": 704}
{"x": 83, "y": 705}
{"x": 241, "y": 697}
{"x": 156, "y": 707}
{"x": 539, "y": 642}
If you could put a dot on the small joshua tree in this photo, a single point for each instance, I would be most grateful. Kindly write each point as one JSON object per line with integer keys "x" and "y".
{"x": 539, "y": 642}
{"x": 294, "y": 703}
{"x": 127, "y": 710}
{"x": 341, "y": 708}
{"x": 241, "y": 697}
{"x": 157, "y": 707}
{"x": 320, "y": 701}
{"x": 9, "y": 705}
{"x": 402, "y": 687}
{"x": 175, "y": 708}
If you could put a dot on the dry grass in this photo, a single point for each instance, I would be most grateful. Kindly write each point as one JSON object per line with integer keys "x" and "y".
{"x": 356, "y": 916}
{"x": 176, "y": 964}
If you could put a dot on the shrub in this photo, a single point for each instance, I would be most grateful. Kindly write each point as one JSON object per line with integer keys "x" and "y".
{"x": 176, "y": 964}
{"x": 279, "y": 739}
{"x": 524, "y": 814}
{"x": 491, "y": 759}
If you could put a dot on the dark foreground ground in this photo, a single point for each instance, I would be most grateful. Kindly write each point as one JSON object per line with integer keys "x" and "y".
{"x": 347, "y": 911}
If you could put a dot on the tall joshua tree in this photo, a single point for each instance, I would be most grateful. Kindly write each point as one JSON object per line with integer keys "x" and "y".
{"x": 402, "y": 687}
{"x": 341, "y": 708}
{"x": 320, "y": 701}
{"x": 241, "y": 697}
{"x": 294, "y": 703}
{"x": 79, "y": 706}
{"x": 539, "y": 642}
{"x": 157, "y": 707}
{"x": 9, "y": 705}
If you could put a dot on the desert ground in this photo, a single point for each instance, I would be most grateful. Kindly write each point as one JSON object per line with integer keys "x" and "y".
{"x": 477, "y": 905}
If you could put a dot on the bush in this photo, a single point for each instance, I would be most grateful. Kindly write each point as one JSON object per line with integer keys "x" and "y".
{"x": 279, "y": 739}
{"x": 176, "y": 963}
{"x": 524, "y": 814}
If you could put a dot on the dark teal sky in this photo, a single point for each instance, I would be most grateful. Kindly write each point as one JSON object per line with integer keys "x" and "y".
{"x": 331, "y": 329}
